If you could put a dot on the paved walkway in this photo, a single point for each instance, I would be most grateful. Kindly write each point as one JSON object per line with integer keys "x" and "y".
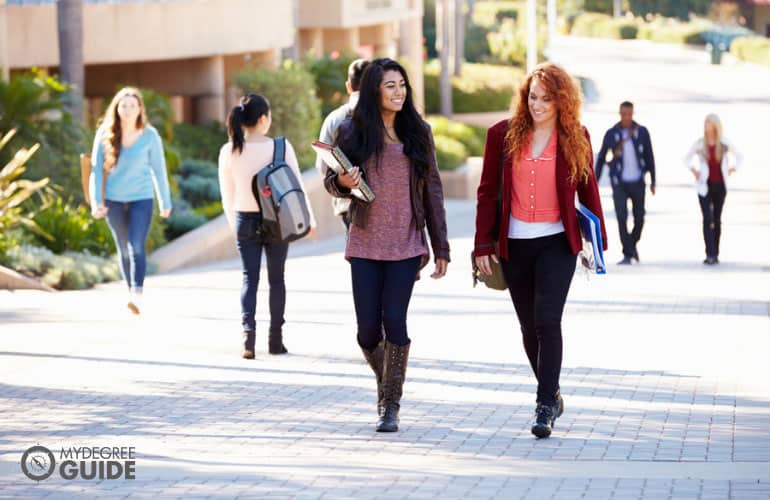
{"x": 665, "y": 372}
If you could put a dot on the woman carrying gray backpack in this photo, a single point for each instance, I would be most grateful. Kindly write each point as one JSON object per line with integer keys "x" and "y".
{"x": 246, "y": 154}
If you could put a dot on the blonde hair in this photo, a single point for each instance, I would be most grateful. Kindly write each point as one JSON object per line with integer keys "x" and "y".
{"x": 565, "y": 93}
{"x": 111, "y": 140}
{"x": 714, "y": 120}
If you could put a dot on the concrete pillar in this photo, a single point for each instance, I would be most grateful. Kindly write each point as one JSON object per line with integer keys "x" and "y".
{"x": 551, "y": 14}
{"x": 410, "y": 48}
{"x": 384, "y": 44}
{"x": 211, "y": 105}
{"x": 4, "y": 62}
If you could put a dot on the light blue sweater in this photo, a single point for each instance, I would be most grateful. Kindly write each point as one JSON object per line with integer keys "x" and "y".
{"x": 141, "y": 168}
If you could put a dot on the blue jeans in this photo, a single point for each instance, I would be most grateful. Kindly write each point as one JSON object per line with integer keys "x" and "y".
{"x": 129, "y": 222}
{"x": 248, "y": 226}
{"x": 381, "y": 293}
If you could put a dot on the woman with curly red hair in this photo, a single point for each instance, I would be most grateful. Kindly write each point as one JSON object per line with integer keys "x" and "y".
{"x": 534, "y": 164}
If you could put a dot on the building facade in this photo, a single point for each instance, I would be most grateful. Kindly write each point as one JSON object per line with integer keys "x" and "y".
{"x": 191, "y": 49}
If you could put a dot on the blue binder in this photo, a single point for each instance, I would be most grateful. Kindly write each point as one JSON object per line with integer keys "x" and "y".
{"x": 592, "y": 255}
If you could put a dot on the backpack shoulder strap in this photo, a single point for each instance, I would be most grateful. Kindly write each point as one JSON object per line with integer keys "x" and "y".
{"x": 279, "y": 149}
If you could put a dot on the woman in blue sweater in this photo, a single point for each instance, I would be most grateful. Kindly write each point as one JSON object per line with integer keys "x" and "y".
{"x": 130, "y": 152}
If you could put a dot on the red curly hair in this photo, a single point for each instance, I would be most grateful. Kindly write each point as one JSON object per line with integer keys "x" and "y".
{"x": 564, "y": 91}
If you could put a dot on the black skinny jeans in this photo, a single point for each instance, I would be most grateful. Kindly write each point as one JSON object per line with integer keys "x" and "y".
{"x": 711, "y": 207}
{"x": 250, "y": 246}
{"x": 539, "y": 272}
{"x": 381, "y": 293}
{"x": 620, "y": 196}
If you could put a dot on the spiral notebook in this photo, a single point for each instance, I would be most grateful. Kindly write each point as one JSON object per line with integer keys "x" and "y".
{"x": 336, "y": 160}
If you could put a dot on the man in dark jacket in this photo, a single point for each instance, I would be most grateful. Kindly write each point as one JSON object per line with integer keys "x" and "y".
{"x": 630, "y": 160}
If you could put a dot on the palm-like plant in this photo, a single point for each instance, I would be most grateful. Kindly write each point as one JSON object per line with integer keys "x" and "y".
{"x": 15, "y": 191}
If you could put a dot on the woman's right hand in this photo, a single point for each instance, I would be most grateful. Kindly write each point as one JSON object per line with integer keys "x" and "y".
{"x": 484, "y": 265}
{"x": 99, "y": 211}
{"x": 349, "y": 180}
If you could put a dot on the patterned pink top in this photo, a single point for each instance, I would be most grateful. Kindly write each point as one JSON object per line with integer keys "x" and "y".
{"x": 390, "y": 233}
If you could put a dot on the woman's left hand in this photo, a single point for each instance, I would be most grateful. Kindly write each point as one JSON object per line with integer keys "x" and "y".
{"x": 165, "y": 213}
{"x": 731, "y": 171}
{"x": 440, "y": 271}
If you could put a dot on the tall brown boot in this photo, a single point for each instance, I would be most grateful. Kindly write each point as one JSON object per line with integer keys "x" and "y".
{"x": 376, "y": 360}
{"x": 396, "y": 358}
{"x": 249, "y": 337}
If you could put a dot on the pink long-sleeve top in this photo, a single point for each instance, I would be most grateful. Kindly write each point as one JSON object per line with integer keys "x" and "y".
{"x": 237, "y": 170}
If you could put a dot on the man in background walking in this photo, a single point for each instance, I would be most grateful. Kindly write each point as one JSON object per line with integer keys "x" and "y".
{"x": 631, "y": 159}
{"x": 331, "y": 124}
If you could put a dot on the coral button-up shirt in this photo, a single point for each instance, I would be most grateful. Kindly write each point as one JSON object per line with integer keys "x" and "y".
{"x": 534, "y": 197}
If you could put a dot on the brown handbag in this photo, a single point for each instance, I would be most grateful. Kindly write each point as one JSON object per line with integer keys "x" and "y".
{"x": 496, "y": 280}
{"x": 85, "y": 174}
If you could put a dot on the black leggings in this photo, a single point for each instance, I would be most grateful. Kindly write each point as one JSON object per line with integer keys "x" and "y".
{"x": 539, "y": 272}
{"x": 711, "y": 207}
{"x": 381, "y": 292}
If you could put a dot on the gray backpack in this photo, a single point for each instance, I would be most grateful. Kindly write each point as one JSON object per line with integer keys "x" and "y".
{"x": 285, "y": 214}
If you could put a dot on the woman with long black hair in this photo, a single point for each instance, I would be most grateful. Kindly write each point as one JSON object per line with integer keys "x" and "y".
{"x": 393, "y": 149}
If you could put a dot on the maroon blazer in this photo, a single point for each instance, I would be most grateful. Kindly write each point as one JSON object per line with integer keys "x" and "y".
{"x": 588, "y": 194}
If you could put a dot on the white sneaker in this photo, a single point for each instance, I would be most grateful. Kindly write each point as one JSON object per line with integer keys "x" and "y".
{"x": 135, "y": 302}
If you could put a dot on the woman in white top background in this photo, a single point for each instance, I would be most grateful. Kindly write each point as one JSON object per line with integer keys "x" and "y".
{"x": 248, "y": 151}
{"x": 712, "y": 159}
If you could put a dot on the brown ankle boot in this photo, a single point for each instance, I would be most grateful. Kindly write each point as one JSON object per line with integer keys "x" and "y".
{"x": 249, "y": 336}
{"x": 396, "y": 358}
{"x": 376, "y": 360}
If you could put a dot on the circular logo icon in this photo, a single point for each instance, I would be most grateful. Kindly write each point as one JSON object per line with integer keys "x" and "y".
{"x": 38, "y": 463}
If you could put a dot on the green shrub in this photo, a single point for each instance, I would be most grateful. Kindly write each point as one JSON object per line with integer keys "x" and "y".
{"x": 199, "y": 190}
{"x": 70, "y": 271}
{"x": 15, "y": 194}
{"x": 670, "y": 30}
{"x": 481, "y": 88}
{"x": 32, "y": 104}
{"x": 210, "y": 210}
{"x": 203, "y": 168}
{"x": 182, "y": 220}
{"x": 628, "y": 30}
{"x": 476, "y": 43}
{"x": 295, "y": 108}
{"x": 592, "y": 25}
{"x": 508, "y": 45}
{"x": 450, "y": 153}
{"x": 330, "y": 74}
{"x": 73, "y": 229}
{"x": 199, "y": 142}
{"x": 471, "y": 137}
{"x": 492, "y": 13}
{"x": 752, "y": 49}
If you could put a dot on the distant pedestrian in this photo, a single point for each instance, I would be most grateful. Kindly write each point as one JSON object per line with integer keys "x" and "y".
{"x": 542, "y": 156}
{"x": 715, "y": 160}
{"x": 332, "y": 122}
{"x": 392, "y": 147}
{"x": 631, "y": 159}
{"x": 130, "y": 151}
{"x": 249, "y": 151}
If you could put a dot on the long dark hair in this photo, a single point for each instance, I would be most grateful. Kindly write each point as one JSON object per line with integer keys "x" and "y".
{"x": 246, "y": 114}
{"x": 365, "y": 137}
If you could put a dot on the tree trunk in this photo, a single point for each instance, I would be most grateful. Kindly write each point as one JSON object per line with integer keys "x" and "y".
{"x": 617, "y": 8}
{"x": 459, "y": 49}
{"x": 69, "y": 15}
{"x": 443, "y": 48}
{"x": 531, "y": 35}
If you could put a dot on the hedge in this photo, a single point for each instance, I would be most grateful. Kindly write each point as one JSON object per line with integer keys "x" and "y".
{"x": 752, "y": 49}
{"x": 481, "y": 88}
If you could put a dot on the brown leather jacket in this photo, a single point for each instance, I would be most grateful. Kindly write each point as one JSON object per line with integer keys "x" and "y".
{"x": 427, "y": 199}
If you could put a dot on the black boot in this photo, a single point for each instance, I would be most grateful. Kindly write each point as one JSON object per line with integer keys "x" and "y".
{"x": 545, "y": 415}
{"x": 248, "y": 344}
{"x": 559, "y": 404}
{"x": 394, "y": 374}
{"x": 376, "y": 360}
{"x": 275, "y": 342}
